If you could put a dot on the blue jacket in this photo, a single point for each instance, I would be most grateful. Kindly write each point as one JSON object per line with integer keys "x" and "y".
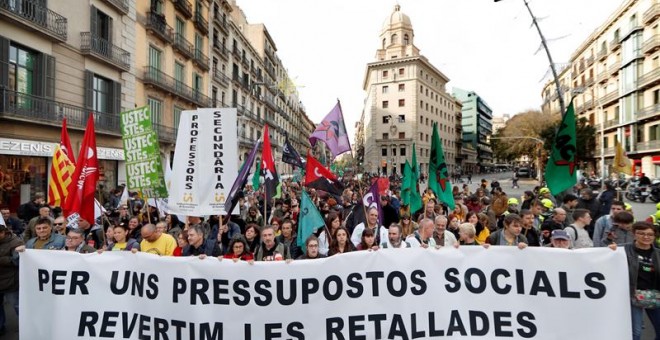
{"x": 55, "y": 242}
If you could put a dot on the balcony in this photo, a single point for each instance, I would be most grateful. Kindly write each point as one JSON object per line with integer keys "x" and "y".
{"x": 602, "y": 54}
{"x": 221, "y": 21}
{"x": 649, "y": 79}
{"x": 651, "y": 13}
{"x": 221, "y": 50}
{"x": 31, "y": 14}
{"x": 104, "y": 51}
{"x": 201, "y": 60}
{"x": 157, "y": 25}
{"x": 183, "y": 46}
{"x": 590, "y": 61}
{"x": 614, "y": 68}
{"x": 589, "y": 82}
{"x": 648, "y": 112}
{"x": 120, "y": 5}
{"x": 270, "y": 101}
{"x": 34, "y": 109}
{"x": 201, "y": 23}
{"x": 166, "y": 134}
{"x": 615, "y": 43}
{"x": 651, "y": 44}
{"x": 652, "y": 145}
{"x": 270, "y": 54}
{"x": 609, "y": 151}
{"x": 184, "y": 7}
{"x": 610, "y": 97}
{"x": 271, "y": 70}
{"x": 220, "y": 77}
{"x": 154, "y": 77}
{"x": 589, "y": 104}
{"x": 582, "y": 67}
{"x": 245, "y": 62}
{"x": 602, "y": 77}
{"x": 236, "y": 52}
{"x": 610, "y": 123}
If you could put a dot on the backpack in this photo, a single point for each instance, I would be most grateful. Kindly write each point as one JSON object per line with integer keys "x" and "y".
{"x": 575, "y": 230}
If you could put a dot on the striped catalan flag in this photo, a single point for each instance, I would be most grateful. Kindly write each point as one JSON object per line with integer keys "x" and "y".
{"x": 61, "y": 173}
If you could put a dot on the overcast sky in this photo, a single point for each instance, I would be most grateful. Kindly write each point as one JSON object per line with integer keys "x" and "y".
{"x": 487, "y": 47}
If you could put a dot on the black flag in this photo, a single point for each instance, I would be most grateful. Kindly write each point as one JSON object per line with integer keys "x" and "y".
{"x": 290, "y": 155}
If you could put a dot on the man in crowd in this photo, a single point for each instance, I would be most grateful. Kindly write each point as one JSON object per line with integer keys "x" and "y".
{"x": 441, "y": 236}
{"x": 197, "y": 220}
{"x": 569, "y": 203}
{"x": 394, "y": 239}
{"x": 423, "y": 237}
{"x": 390, "y": 214}
{"x": 604, "y": 224}
{"x": 555, "y": 222}
{"x": 528, "y": 230}
{"x": 621, "y": 230}
{"x": 156, "y": 243}
{"x": 198, "y": 245}
{"x": 94, "y": 235}
{"x": 270, "y": 249}
{"x": 560, "y": 239}
{"x": 30, "y": 210}
{"x": 13, "y": 224}
{"x": 44, "y": 212}
{"x": 59, "y": 226}
{"x": 577, "y": 230}
{"x": 8, "y": 273}
{"x": 75, "y": 242}
{"x": 45, "y": 238}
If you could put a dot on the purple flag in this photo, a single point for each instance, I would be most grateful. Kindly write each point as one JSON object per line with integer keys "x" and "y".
{"x": 372, "y": 200}
{"x": 241, "y": 180}
{"x": 332, "y": 132}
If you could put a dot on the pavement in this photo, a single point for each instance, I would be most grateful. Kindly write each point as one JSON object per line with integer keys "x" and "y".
{"x": 640, "y": 210}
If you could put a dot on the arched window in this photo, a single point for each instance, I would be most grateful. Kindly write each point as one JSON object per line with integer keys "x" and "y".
{"x": 406, "y": 39}
{"x": 395, "y": 39}
{"x": 383, "y": 43}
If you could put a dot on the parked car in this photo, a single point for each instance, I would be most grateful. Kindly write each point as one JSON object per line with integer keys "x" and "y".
{"x": 523, "y": 172}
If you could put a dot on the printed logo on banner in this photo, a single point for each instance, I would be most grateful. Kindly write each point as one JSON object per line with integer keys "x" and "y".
{"x": 72, "y": 221}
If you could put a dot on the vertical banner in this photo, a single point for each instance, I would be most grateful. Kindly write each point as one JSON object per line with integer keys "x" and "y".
{"x": 205, "y": 162}
{"x": 144, "y": 169}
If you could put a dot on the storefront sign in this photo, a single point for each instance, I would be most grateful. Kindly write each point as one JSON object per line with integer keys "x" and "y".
{"x": 144, "y": 169}
{"x": 21, "y": 147}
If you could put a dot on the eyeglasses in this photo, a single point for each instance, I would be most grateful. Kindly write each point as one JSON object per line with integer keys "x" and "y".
{"x": 313, "y": 246}
{"x": 645, "y": 234}
{"x": 58, "y": 223}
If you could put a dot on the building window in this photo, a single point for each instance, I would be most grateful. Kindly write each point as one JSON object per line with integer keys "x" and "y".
{"x": 402, "y": 151}
{"x": 385, "y": 73}
{"x": 421, "y": 136}
{"x": 386, "y": 136}
{"x": 386, "y": 119}
{"x": 156, "y": 108}
{"x": 386, "y": 104}
{"x": 100, "y": 26}
{"x": 401, "y": 71}
{"x": 177, "y": 117}
{"x": 393, "y": 151}
{"x": 197, "y": 82}
{"x": 385, "y": 88}
{"x": 395, "y": 39}
{"x": 383, "y": 152}
{"x": 102, "y": 100}
{"x": 214, "y": 96}
{"x": 21, "y": 69}
{"x": 402, "y": 118}
{"x": 402, "y": 102}
{"x": 402, "y": 135}
{"x": 406, "y": 39}
{"x": 155, "y": 57}
{"x": 402, "y": 87}
{"x": 179, "y": 26}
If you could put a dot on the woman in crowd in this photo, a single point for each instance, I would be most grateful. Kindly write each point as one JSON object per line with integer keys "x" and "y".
{"x": 482, "y": 231}
{"x": 368, "y": 241}
{"x": 109, "y": 237}
{"x": 510, "y": 235}
{"x": 121, "y": 240}
{"x": 466, "y": 234}
{"x": 238, "y": 250}
{"x": 459, "y": 213}
{"x": 276, "y": 223}
{"x": 173, "y": 225}
{"x": 134, "y": 229}
{"x": 408, "y": 225}
{"x": 311, "y": 249}
{"x": 181, "y": 242}
{"x": 254, "y": 216}
{"x": 452, "y": 225}
{"x": 340, "y": 242}
{"x": 252, "y": 233}
{"x": 332, "y": 223}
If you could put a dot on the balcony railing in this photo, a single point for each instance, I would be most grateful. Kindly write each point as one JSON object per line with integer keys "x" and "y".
{"x": 221, "y": 21}
{"x": 602, "y": 76}
{"x": 602, "y": 54}
{"x": 158, "y": 26}
{"x": 184, "y": 6}
{"x": 120, "y": 5}
{"x": 589, "y": 104}
{"x": 651, "y": 13}
{"x": 648, "y": 112}
{"x": 153, "y": 76}
{"x": 614, "y": 68}
{"x": 221, "y": 49}
{"x": 609, "y": 151}
{"x": 271, "y": 70}
{"x": 201, "y": 59}
{"x": 615, "y": 43}
{"x": 611, "y": 122}
{"x": 649, "y": 79}
{"x": 201, "y": 23}
{"x": 220, "y": 77}
{"x": 590, "y": 61}
{"x": 651, "y": 44}
{"x": 28, "y": 108}
{"x": 105, "y": 51}
{"x": 39, "y": 18}
{"x": 183, "y": 46}
{"x": 648, "y": 145}
{"x": 236, "y": 52}
{"x": 166, "y": 134}
{"x": 589, "y": 82}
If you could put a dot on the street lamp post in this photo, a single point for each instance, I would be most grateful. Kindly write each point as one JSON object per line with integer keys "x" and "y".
{"x": 538, "y": 158}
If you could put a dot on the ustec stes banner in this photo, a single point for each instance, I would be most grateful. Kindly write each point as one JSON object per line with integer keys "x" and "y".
{"x": 501, "y": 292}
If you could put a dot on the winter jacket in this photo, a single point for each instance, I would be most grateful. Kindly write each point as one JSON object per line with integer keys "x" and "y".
{"x": 55, "y": 242}
{"x": 209, "y": 247}
{"x": 280, "y": 248}
{"x": 633, "y": 267}
{"x": 9, "y": 263}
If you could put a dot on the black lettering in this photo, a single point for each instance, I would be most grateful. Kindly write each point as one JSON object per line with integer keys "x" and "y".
{"x": 432, "y": 330}
{"x": 79, "y": 279}
{"x": 469, "y": 284}
{"x": 520, "y": 281}
{"x": 178, "y": 325}
{"x": 137, "y": 286}
{"x": 178, "y": 288}
{"x": 220, "y": 288}
{"x": 241, "y": 292}
{"x": 292, "y": 292}
{"x": 108, "y": 322}
{"x": 114, "y": 280}
{"x": 563, "y": 287}
{"x": 494, "y": 279}
{"x": 260, "y": 287}
{"x": 403, "y": 285}
{"x": 353, "y": 281}
{"x": 87, "y": 321}
{"x": 338, "y": 288}
{"x": 450, "y": 275}
{"x": 58, "y": 279}
{"x": 397, "y": 328}
{"x": 247, "y": 331}
{"x": 309, "y": 287}
{"x": 374, "y": 276}
{"x": 419, "y": 285}
{"x": 44, "y": 277}
{"x": 530, "y": 328}
{"x": 478, "y": 318}
{"x": 152, "y": 282}
{"x": 354, "y": 327}
{"x": 500, "y": 322}
{"x": 541, "y": 283}
{"x": 128, "y": 327}
{"x": 144, "y": 327}
{"x": 377, "y": 319}
{"x": 294, "y": 330}
{"x": 592, "y": 280}
{"x": 455, "y": 322}
{"x": 333, "y": 327}
{"x": 414, "y": 333}
{"x": 160, "y": 329}
{"x": 198, "y": 288}
{"x": 205, "y": 331}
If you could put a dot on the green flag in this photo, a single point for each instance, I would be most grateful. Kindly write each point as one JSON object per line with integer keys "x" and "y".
{"x": 255, "y": 177}
{"x": 309, "y": 220}
{"x": 560, "y": 172}
{"x": 438, "y": 174}
{"x": 409, "y": 194}
{"x": 415, "y": 165}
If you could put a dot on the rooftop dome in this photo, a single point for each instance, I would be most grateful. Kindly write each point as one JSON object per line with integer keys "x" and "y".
{"x": 397, "y": 19}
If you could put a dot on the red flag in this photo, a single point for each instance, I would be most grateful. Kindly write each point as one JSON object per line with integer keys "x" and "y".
{"x": 271, "y": 180}
{"x": 65, "y": 142}
{"x": 82, "y": 187}
{"x": 318, "y": 177}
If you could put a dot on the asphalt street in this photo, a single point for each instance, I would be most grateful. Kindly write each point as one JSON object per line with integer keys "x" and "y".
{"x": 640, "y": 210}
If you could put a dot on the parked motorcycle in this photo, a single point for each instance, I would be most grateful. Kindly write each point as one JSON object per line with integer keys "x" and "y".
{"x": 636, "y": 192}
{"x": 654, "y": 191}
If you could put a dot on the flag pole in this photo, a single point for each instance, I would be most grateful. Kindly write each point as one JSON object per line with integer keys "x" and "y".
{"x": 146, "y": 203}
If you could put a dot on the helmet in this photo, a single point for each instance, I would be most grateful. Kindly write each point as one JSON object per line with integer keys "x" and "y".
{"x": 544, "y": 191}
{"x": 512, "y": 200}
{"x": 547, "y": 203}
{"x": 657, "y": 206}
{"x": 627, "y": 206}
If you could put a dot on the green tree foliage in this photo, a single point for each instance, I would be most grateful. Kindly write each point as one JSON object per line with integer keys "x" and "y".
{"x": 586, "y": 143}
{"x": 530, "y": 123}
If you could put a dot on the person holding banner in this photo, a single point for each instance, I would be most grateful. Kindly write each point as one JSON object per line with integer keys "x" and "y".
{"x": 423, "y": 237}
{"x": 94, "y": 235}
{"x": 45, "y": 238}
{"x": 510, "y": 235}
{"x": 74, "y": 242}
{"x": 368, "y": 241}
{"x": 8, "y": 272}
{"x": 395, "y": 237}
{"x": 238, "y": 250}
{"x": 120, "y": 234}
{"x": 332, "y": 223}
{"x": 200, "y": 246}
{"x": 154, "y": 242}
{"x": 270, "y": 249}
{"x": 340, "y": 242}
{"x": 370, "y": 223}
{"x": 442, "y": 237}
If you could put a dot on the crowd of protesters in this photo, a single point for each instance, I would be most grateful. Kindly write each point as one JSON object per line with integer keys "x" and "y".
{"x": 267, "y": 230}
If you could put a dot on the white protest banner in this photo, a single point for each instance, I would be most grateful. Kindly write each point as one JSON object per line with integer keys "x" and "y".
{"x": 465, "y": 293}
{"x": 205, "y": 162}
